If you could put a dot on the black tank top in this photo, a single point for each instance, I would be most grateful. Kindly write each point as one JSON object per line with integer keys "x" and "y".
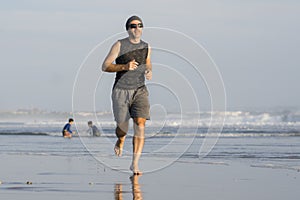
{"x": 128, "y": 51}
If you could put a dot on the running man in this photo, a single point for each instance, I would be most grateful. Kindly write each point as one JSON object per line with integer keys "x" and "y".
{"x": 130, "y": 59}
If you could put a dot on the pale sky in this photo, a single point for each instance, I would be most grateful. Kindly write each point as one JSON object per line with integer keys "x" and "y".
{"x": 255, "y": 45}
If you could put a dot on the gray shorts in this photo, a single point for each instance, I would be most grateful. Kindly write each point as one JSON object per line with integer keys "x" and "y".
{"x": 130, "y": 104}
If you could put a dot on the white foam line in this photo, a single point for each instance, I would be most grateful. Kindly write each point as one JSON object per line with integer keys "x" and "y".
{"x": 273, "y": 166}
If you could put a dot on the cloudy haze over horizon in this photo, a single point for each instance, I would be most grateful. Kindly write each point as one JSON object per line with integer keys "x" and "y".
{"x": 255, "y": 45}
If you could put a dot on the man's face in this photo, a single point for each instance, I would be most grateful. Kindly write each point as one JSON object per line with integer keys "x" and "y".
{"x": 135, "y": 29}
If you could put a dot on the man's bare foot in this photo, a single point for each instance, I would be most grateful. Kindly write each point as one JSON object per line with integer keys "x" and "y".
{"x": 119, "y": 147}
{"x": 135, "y": 170}
{"x": 118, "y": 151}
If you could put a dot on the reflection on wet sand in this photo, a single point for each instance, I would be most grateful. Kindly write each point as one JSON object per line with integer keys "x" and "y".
{"x": 118, "y": 191}
{"x": 135, "y": 186}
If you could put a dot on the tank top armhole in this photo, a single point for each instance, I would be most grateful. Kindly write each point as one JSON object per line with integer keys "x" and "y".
{"x": 120, "y": 48}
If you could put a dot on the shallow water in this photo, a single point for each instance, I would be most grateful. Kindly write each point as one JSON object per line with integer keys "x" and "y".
{"x": 66, "y": 168}
{"x": 277, "y": 152}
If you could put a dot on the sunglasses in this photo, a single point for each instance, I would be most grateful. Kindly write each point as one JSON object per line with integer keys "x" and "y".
{"x": 140, "y": 25}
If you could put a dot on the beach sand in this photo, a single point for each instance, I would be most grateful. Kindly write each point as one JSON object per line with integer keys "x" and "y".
{"x": 58, "y": 177}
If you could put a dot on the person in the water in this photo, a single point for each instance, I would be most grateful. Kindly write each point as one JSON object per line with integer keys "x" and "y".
{"x": 67, "y": 132}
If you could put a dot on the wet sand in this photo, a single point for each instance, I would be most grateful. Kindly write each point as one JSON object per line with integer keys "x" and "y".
{"x": 58, "y": 177}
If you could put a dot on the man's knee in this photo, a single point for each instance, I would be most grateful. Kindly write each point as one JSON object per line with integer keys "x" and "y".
{"x": 140, "y": 122}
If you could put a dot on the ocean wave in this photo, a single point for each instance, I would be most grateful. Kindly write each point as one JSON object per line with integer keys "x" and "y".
{"x": 231, "y": 117}
{"x": 24, "y": 133}
{"x": 283, "y": 123}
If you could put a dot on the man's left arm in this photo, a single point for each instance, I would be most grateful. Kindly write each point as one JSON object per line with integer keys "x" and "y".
{"x": 148, "y": 72}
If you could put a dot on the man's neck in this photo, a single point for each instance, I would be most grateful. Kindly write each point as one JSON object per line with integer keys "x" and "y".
{"x": 135, "y": 40}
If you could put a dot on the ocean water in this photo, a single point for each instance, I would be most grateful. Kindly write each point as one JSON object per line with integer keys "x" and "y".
{"x": 261, "y": 139}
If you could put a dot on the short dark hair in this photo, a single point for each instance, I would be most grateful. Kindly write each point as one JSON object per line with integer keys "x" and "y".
{"x": 130, "y": 19}
{"x": 90, "y": 122}
{"x": 71, "y": 120}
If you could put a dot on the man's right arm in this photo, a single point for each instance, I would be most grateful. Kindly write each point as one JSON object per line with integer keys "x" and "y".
{"x": 108, "y": 64}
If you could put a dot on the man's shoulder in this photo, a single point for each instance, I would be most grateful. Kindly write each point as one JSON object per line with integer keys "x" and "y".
{"x": 66, "y": 125}
{"x": 144, "y": 43}
{"x": 122, "y": 40}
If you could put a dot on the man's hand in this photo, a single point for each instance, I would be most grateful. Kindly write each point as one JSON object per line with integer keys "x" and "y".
{"x": 148, "y": 74}
{"x": 132, "y": 65}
